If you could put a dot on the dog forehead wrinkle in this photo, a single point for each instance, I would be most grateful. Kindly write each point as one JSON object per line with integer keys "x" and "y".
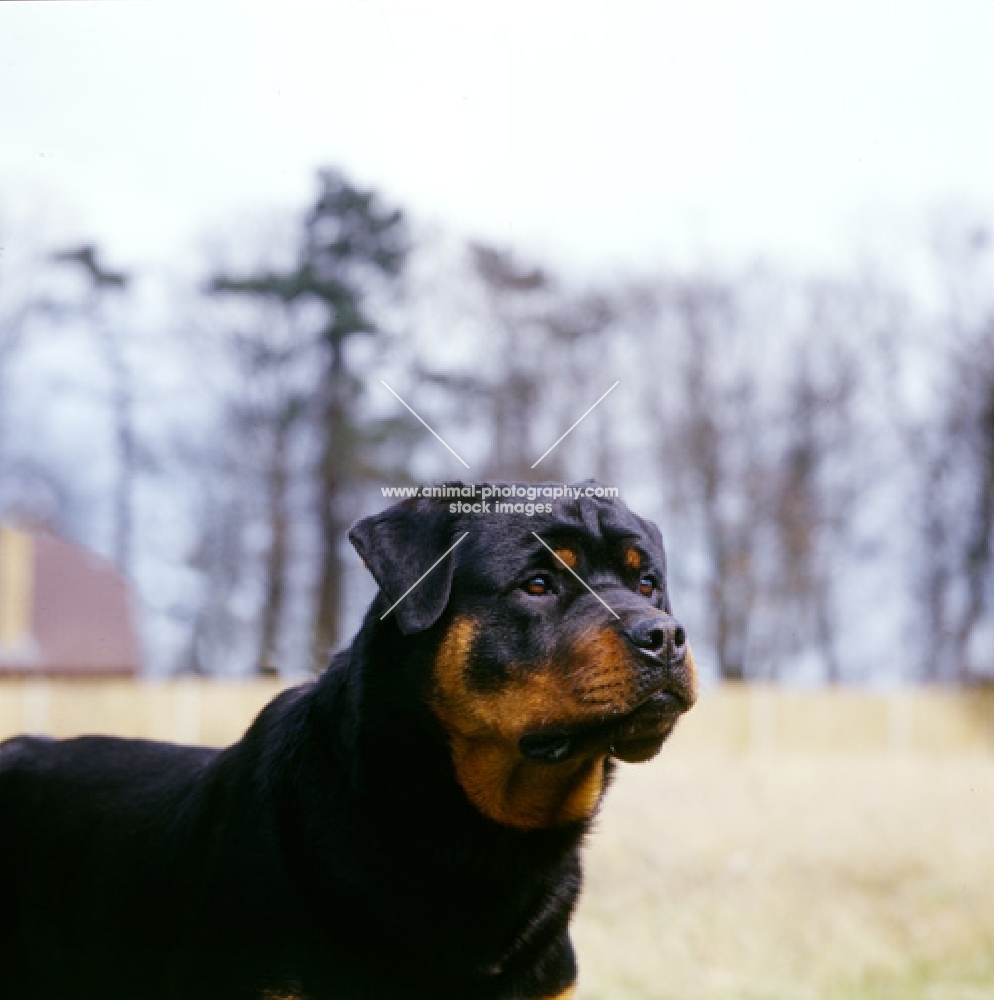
{"x": 490, "y": 565}
{"x": 590, "y": 515}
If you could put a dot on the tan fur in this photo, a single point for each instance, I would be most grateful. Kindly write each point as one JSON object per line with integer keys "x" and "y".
{"x": 484, "y": 728}
{"x": 633, "y": 558}
{"x": 568, "y": 557}
{"x": 600, "y": 672}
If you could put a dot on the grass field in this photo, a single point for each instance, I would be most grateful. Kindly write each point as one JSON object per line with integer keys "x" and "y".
{"x": 808, "y": 877}
{"x": 786, "y": 845}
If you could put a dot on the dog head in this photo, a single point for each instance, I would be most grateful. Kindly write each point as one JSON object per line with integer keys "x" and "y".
{"x": 553, "y": 646}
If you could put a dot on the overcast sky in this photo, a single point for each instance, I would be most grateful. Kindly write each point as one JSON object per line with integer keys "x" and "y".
{"x": 601, "y": 133}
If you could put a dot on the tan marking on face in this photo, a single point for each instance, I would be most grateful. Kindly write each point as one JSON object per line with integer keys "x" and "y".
{"x": 600, "y": 670}
{"x": 568, "y": 556}
{"x": 484, "y": 727}
{"x": 567, "y": 994}
{"x": 633, "y": 558}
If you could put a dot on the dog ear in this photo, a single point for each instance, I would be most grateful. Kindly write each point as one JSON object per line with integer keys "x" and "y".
{"x": 399, "y": 546}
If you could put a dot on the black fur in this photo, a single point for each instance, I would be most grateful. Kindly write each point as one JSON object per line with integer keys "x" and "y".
{"x": 329, "y": 853}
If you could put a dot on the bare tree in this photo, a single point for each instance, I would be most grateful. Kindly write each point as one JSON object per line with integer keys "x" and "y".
{"x": 351, "y": 248}
{"x": 938, "y": 354}
{"x": 708, "y": 446}
{"x": 581, "y": 328}
{"x": 959, "y": 492}
{"x": 102, "y": 283}
{"x": 540, "y": 361}
{"x": 755, "y": 421}
{"x": 814, "y": 480}
{"x": 220, "y": 556}
{"x": 22, "y": 303}
{"x": 32, "y": 489}
{"x": 512, "y": 380}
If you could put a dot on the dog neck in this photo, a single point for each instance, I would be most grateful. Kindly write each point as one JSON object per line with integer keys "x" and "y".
{"x": 482, "y": 881}
{"x": 400, "y": 759}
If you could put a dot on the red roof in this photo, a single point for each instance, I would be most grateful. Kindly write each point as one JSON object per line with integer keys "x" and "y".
{"x": 79, "y": 614}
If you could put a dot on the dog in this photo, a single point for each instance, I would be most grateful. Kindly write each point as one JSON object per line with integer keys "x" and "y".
{"x": 405, "y": 827}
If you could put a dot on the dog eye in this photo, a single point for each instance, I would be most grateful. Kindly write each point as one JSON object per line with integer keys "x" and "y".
{"x": 539, "y": 585}
{"x": 646, "y": 586}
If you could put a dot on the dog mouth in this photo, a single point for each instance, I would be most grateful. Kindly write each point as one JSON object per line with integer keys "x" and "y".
{"x": 623, "y": 735}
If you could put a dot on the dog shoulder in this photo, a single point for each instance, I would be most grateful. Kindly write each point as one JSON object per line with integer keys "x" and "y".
{"x": 20, "y": 751}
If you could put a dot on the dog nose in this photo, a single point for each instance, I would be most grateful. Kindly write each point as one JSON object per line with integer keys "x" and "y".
{"x": 658, "y": 635}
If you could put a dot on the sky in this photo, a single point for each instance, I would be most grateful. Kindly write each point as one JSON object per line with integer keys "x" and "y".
{"x": 604, "y": 135}
{"x": 594, "y": 136}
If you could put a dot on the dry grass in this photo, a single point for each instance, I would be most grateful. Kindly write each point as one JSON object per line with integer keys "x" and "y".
{"x": 752, "y": 861}
{"x": 863, "y": 877}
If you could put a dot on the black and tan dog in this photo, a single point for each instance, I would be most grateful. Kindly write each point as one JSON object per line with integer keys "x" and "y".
{"x": 407, "y": 826}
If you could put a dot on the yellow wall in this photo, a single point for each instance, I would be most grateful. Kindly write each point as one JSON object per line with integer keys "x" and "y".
{"x": 185, "y": 711}
{"x": 16, "y": 587}
{"x": 736, "y": 720}
{"x": 761, "y": 719}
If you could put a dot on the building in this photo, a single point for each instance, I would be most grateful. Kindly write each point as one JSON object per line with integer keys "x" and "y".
{"x": 64, "y": 612}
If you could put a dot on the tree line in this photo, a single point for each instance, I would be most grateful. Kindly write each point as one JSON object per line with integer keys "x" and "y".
{"x": 817, "y": 447}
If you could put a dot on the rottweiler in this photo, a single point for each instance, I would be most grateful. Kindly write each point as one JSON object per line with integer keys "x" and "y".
{"x": 405, "y": 827}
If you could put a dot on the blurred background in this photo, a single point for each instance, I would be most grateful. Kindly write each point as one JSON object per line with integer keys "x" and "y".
{"x": 226, "y": 229}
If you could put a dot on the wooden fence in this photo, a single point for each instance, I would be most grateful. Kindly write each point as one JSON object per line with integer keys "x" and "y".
{"x": 736, "y": 720}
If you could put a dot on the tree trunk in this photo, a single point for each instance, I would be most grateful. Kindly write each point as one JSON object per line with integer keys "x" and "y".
{"x": 276, "y": 557}
{"x": 124, "y": 440}
{"x": 330, "y": 521}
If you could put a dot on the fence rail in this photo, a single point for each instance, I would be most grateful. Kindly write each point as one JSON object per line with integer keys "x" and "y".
{"x": 746, "y": 719}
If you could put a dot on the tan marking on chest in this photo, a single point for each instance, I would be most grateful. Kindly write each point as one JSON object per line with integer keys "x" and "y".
{"x": 484, "y": 730}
